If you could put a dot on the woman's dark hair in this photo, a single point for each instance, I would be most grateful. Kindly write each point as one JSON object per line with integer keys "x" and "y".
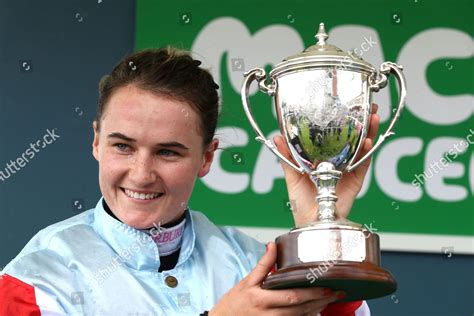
{"x": 168, "y": 72}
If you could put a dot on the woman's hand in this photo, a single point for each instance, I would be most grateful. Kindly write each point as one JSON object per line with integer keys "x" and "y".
{"x": 302, "y": 191}
{"x": 248, "y": 298}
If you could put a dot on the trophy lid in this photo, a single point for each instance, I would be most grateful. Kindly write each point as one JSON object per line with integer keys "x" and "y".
{"x": 322, "y": 55}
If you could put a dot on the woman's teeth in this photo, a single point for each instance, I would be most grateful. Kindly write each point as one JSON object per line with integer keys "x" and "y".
{"x": 141, "y": 196}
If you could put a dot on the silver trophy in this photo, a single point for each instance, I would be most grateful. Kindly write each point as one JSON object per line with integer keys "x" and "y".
{"x": 323, "y": 104}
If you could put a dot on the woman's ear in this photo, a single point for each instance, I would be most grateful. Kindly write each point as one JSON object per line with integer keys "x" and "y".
{"x": 208, "y": 158}
{"x": 95, "y": 142}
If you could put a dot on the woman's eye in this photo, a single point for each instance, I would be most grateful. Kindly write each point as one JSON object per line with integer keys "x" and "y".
{"x": 167, "y": 152}
{"x": 121, "y": 147}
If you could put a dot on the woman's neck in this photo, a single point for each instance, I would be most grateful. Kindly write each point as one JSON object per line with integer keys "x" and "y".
{"x": 167, "y": 225}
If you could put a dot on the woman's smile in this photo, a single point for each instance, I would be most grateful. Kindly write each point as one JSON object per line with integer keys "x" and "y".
{"x": 142, "y": 196}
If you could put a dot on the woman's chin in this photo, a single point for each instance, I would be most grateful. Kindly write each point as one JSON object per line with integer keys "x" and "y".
{"x": 140, "y": 222}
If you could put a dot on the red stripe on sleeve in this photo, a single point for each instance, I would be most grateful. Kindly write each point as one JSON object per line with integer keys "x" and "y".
{"x": 341, "y": 309}
{"x": 17, "y": 298}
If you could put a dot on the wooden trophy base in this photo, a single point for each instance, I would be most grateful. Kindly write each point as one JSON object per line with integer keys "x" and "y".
{"x": 341, "y": 257}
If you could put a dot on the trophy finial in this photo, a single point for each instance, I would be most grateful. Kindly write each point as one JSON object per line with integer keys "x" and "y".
{"x": 322, "y": 35}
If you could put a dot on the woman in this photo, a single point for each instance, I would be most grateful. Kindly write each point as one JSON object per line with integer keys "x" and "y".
{"x": 141, "y": 251}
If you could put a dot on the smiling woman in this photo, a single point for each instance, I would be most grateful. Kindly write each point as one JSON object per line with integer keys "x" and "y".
{"x": 147, "y": 173}
{"x": 141, "y": 249}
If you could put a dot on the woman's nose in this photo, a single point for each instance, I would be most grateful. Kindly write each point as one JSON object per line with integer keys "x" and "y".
{"x": 142, "y": 172}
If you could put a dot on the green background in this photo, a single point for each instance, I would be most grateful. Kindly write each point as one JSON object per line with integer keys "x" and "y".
{"x": 160, "y": 23}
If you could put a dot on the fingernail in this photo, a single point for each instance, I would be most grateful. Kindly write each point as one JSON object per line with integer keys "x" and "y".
{"x": 341, "y": 295}
{"x": 327, "y": 292}
{"x": 273, "y": 269}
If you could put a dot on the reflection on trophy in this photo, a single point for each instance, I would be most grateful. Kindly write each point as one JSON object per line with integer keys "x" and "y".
{"x": 323, "y": 103}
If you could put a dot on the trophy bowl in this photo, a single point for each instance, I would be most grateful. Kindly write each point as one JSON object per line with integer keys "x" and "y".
{"x": 323, "y": 104}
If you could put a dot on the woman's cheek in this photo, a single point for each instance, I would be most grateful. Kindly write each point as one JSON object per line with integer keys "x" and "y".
{"x": 179, "y": 179}
{"x": 117, "y": 163}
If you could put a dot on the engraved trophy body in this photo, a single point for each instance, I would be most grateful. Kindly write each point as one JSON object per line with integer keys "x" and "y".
{"x": 323, "y": 103}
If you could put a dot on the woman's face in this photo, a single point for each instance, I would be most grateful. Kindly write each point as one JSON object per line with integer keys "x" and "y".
{"x": 149, "y": 150}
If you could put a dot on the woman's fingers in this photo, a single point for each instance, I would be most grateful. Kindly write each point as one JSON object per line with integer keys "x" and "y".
{"x": 374, "y": 125}
{"x": 312, "y": 308}
{"x": 361, "y": 170}
{"x": 374, "y": 122}
{"x": 282, "y": 147}
{"x": 263, "y": 267}
{"x": 375, "y": 108}
{"x": 294, "y": 297}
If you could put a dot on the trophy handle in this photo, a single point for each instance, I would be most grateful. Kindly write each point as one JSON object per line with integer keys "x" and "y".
{"x": 385, "y": 69}
{"x": 259, "y": 75}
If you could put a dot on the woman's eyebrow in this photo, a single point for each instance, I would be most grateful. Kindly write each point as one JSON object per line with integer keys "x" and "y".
{"x": 129, "y": 139}
{"x": 121, "y": 136}
{"x": 172, "y": 144}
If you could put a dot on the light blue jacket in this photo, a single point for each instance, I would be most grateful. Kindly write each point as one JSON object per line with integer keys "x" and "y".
{"x": 92, "y": 264}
